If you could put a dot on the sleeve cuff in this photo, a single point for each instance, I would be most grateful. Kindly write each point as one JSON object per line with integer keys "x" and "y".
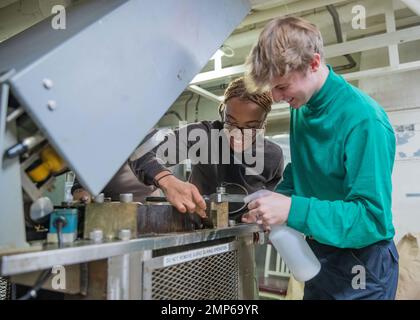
{"x": 298, "y": 213}
{"x": 151, "y": 172}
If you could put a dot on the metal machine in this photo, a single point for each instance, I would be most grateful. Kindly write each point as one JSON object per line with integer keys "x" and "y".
{"x": 115, "y": 62}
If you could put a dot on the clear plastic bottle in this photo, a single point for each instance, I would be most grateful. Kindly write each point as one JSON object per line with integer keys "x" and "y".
{"x": 291, "y": 246}
{"x": 295, "y": 251}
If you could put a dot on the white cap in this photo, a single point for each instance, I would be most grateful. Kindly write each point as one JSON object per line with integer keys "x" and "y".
{"x": 96, "y": 235}
{"x": 99, "y": 198}
{"x": 124, "y": 234}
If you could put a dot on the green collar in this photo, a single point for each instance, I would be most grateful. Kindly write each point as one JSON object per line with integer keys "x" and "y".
{"x": 320, "y": 98}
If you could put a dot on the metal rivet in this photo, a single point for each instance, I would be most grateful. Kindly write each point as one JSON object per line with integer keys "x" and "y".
{"x": 52, "y": 105}
{"x": 180, "y": 74}
{"x": 48, "y": 84}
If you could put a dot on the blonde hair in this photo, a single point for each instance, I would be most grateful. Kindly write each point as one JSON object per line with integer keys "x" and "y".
{"x": 237, "y": 89}
{"x": 284, "y": 45}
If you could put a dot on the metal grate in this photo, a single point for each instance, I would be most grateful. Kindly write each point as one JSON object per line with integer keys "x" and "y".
{"x": 4, "y": 289}
{"x": 213, "y": 277}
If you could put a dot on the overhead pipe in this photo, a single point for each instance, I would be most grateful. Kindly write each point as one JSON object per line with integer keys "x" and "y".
{"x": 339, "y": 34}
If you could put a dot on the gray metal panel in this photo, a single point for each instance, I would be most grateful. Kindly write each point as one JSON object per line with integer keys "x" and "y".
{"x": 113, "y": 80}
{"x": 12, "y": 222}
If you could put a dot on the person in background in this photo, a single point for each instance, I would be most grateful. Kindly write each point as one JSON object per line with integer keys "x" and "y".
{"x": 240, "y": 112}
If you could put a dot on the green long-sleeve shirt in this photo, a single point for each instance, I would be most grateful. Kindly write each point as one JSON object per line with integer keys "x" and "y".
{"x": 342, "y": 149}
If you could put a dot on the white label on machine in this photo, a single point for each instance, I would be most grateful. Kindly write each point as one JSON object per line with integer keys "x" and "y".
{"x": 194, "y": 254}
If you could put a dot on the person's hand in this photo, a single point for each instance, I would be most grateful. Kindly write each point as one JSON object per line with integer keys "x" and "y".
{"x": 82, "y": 195}
{"x": 182, "y": 195}
{"x": 267, "y": 208}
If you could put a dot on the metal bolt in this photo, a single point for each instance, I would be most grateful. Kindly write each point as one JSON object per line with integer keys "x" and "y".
{"x": 110, "y": 236}
{"x": 124, "y": 234}
{"x": 99, "y": 198}
{"x": 52, "y": 105}
{"x": 96, "y": 235}
{"x": 48, "y": 84}
{"x": 126, "y": 197}
{"x": 220, "y": 190}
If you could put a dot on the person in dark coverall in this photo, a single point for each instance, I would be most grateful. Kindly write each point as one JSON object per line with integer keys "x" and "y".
{"x": 241, "y": 113}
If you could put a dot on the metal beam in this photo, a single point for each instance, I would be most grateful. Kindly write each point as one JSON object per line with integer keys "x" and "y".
{"x": 380, "y": 27}
{"x": 288, "y": 9}
{"x": 321, "y": 19}
{"x": 238, "y": 70}
{"x": 209, "y": 76}
{"x": 373, "y": 42}
{"x": 368, "y": 43}
{"x": 204, "y": 93}
{"x": 384, "y": 71}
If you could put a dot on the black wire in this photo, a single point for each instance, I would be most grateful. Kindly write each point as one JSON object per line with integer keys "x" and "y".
{"x": 43, "y": 277}
{"x": 339, "y": 34}
{"x": 176, "y": 114}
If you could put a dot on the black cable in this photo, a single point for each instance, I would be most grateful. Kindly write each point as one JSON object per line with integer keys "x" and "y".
{"x": 196, "y": 108}
{"x": 339, "y": 34}
{"x": 176, "y": 114}
{"x": 59, "y": 223}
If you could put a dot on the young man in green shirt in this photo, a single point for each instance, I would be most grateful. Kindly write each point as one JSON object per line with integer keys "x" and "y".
{"x": 337, "y": 189}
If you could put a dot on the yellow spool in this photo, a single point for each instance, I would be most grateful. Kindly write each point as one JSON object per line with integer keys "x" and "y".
{"x": 52, "y": 160}
{"x": 40, "y": 173}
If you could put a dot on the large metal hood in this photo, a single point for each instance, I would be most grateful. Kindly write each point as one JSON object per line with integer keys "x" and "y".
{"x": 96, "y": 88}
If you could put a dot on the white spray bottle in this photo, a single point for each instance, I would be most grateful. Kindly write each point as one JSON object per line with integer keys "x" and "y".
{"x": 291, "y": 246}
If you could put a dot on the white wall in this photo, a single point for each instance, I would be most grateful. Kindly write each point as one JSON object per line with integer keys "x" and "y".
{"x": 406, "y": 175}
{"x": 399, "y": 92}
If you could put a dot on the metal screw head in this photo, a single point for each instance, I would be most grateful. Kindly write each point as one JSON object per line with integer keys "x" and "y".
{"x": 126, "y": 197}
{"x": 99, "y": 198}
{"x": 48, "y": 84}
{"x": 180, "y": 74}
{"x": 220, "y": 190}
{"x": 52, "y": 105}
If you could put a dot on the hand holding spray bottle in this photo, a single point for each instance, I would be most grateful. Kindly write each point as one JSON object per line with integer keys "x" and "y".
{"x": 291, "y": 246}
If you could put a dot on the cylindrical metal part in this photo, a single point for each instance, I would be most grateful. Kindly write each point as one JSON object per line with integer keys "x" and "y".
{"x": 96, "y": 235}
{"x": 124, "y": 234}
{"x": 99, "y": 198}
{"x": 126, "y": 197}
